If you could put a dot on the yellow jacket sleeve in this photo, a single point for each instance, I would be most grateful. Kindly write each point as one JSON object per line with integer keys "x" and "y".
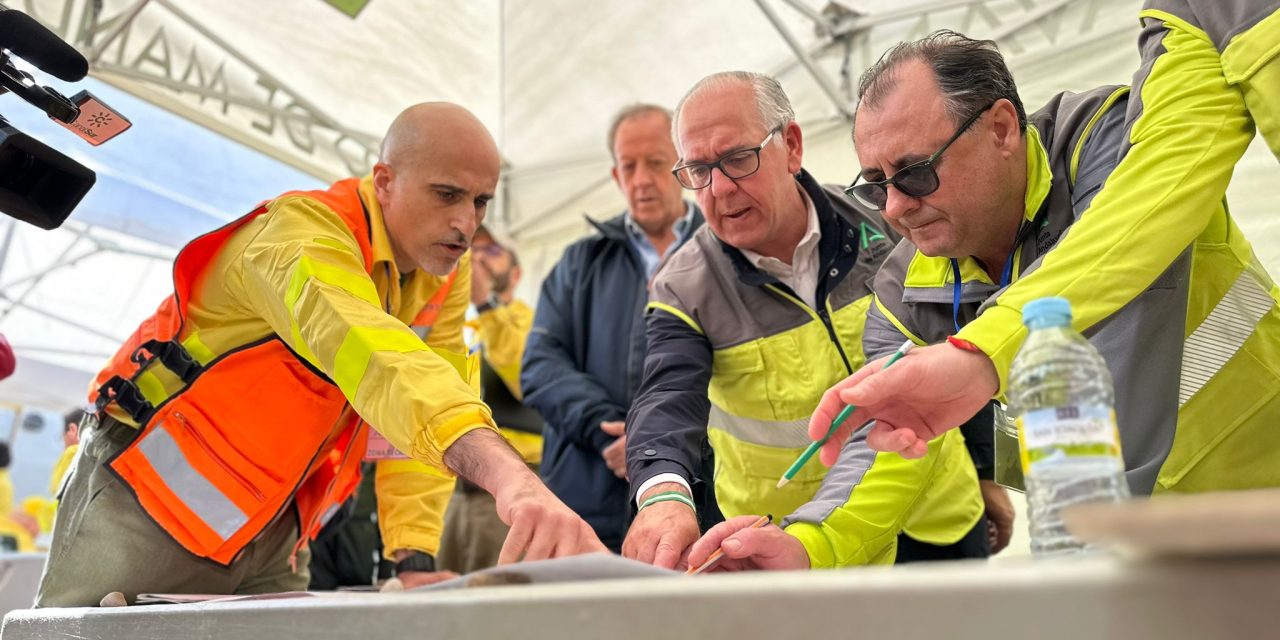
{"x": 303, "y": 273}
{"x": 412, "y": 498}
{"x": 1192, "y": 127}
{"x": 504, "y": 331}
{"x": 868, "y": 498}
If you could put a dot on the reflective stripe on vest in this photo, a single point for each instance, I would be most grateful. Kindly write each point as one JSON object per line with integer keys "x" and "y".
{"x": 213, "y": 507}
{"x": 1217, "y": 339}
{"x": 792, "y": 434}
{"x": 212, "y": 466}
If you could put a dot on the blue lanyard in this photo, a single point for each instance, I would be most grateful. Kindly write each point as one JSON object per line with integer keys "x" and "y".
{"x": 957, "y": 288}
{"x": 1024, "y": 232}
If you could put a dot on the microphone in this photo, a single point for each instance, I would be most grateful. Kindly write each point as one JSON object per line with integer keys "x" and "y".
{"x": 26, "y": 38}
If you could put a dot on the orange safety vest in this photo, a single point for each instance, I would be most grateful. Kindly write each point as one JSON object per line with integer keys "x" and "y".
{"x": 249, "y": 432}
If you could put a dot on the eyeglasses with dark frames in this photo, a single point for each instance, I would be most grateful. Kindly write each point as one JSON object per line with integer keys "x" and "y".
{"x": 735, "y": 165}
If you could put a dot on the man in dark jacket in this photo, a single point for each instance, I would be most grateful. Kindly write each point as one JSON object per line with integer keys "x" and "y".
{"x": 584, "y": 357}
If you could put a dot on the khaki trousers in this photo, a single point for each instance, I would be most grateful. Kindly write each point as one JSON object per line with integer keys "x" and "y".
{"x": 473, "y": 532}
{"x": 103, "y": 541}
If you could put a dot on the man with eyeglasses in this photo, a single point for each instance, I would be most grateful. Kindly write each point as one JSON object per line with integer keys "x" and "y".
{"x": 585, "y": 354}
{"x": 1194, "y": 355}
{"x": 748, "y": 325}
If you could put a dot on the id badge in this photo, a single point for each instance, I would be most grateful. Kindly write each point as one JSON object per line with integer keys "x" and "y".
{"x": 1008, "y": 458}
{"x": 380, "y": 449}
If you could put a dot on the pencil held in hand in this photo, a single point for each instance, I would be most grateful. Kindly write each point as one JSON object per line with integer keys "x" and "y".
{"x": 719, "y": 553}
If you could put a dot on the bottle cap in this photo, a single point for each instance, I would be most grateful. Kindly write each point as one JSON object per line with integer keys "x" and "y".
{"x": 1047, "y": 312}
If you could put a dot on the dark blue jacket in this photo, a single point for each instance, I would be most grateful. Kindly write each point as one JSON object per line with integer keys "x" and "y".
{"x": 582, "y": 365}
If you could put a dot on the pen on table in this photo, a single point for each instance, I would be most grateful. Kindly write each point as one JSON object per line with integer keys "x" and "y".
{"x": 835, "y": 425}
{"x": 719, "y": 553}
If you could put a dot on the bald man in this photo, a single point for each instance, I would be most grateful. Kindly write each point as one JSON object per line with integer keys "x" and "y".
{"x": 322, "y": 329}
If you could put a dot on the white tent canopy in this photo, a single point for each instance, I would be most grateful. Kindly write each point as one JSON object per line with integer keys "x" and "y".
{"x": 307, "y": 85}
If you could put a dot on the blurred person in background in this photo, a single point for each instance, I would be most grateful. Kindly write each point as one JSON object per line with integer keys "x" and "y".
{"x": 473, "y": 533}
{"x": 585, "y": 354}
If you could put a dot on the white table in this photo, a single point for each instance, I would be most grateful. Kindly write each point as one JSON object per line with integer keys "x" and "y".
{"x": 1077, "y": 598}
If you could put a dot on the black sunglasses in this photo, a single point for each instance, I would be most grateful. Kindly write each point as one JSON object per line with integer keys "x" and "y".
{"x": 915, "y": 180}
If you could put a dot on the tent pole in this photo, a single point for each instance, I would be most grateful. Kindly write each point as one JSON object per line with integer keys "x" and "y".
{"x": 8, "y": 240}
{"x": 101, "y": 47}
{"x": 842, "y": 105}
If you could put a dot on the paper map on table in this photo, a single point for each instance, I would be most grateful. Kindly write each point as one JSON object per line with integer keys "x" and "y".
{"x": 590, "y": 567}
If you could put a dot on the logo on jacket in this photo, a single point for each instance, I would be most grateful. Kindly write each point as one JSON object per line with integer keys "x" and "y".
{"x": 869, "y": 235}
{"x": 873, "y": 243}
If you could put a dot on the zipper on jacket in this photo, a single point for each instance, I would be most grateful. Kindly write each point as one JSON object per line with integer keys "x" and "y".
{"x": 823, "y": 317}
{"x": 204, "y": 445}
{"x": 304, "y": 532}
{"x": 835, "y": 340}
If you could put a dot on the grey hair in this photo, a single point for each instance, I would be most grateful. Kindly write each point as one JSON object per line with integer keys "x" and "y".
{"x": 629, "y": 112}
{"x": 971, "y": 74}
{"x": 772, "y": 103}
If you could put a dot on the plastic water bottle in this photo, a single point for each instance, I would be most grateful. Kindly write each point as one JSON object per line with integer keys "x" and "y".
{"x": 1061, "y": 395}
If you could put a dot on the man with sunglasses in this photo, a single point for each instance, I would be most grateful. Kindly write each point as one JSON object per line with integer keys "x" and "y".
{"x": 1194, "y": 355}
{"x": 748, "y": 324}
{"x": 1209, "y": 78}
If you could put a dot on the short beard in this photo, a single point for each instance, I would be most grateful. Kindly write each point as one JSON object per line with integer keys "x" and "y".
{"x": 501, "y": 282}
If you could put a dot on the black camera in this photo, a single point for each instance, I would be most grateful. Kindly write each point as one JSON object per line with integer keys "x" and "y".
{"x": 38, "y": 184}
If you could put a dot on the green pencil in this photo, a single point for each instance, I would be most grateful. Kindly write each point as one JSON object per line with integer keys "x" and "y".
{"x": 835, "y": 425}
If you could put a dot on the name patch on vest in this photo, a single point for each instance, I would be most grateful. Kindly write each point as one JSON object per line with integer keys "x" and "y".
{"x": 381, "y": 449}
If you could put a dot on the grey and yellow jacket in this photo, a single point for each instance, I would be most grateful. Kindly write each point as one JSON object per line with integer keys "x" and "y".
{"x": 736, "y": 357}
{"x": 1198, "y": 348}
{"x": 1210, "y": 74}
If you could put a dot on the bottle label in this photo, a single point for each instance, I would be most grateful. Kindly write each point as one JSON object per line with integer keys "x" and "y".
{"x": 1075, "y": 433}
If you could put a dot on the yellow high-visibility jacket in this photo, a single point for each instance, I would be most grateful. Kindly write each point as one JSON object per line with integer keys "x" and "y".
{"x": 298, "y": 273}
{"x": 1210, "y": 74}
{"x": 501, "y": 333}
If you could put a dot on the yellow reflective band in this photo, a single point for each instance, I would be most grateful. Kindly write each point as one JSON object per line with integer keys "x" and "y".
{"x": 307, "y": 268}
{"x": 925, "y": 272}
{"x": 194, "y": 346}
{"x": 1088, "y": 128}
{"x": 1039, "y": 175}
{"x": 358, "y": 285}
{"x": 359, "y": 345}
{"x": 901, "y": 327}
{"x": 334, "y": 243}
{"x": 461, "y": 362}
{"x": 151, "y": 387}
{"x": 677, "y": 313}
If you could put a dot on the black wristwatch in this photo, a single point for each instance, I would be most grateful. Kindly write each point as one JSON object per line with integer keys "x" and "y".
{"x": 416, "y": 561}
{"x": 490, "y": 303}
